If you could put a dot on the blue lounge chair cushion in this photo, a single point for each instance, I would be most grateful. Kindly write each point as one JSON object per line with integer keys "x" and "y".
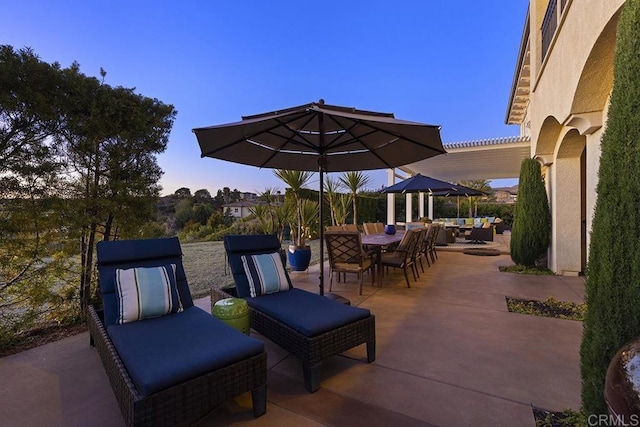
{"x": 307, "y": 313}
{"x": 164, "y": 351}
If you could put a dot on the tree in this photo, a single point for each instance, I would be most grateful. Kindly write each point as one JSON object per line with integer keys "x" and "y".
{"x": 354, "y": 182}
{"x": 33, "y": 276}
{"x": 111, "y": 137}
{"x": 203, "y": 196}
{"x": 183, "y": 192}
{"x": 530, "y": 233}
{"x": 613, "y": 270}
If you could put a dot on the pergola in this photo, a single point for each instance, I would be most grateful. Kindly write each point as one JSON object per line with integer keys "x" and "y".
{"x": 465, "y": 161}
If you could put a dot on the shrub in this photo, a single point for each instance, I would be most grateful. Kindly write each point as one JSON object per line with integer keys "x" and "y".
{"x": 532, "y": 219}
{"x": 613, "y": 268}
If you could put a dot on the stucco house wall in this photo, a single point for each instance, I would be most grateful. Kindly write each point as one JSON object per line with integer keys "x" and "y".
{"x": 566, "y": 115}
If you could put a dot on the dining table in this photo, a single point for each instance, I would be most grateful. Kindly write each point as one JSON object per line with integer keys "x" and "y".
{"x": 382, "y": 239}
{"x": 375, "y": 243}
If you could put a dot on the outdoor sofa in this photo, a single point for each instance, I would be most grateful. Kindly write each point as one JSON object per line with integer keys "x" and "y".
{"x": 309, "y": 326}
{"x": 481, "y": 234}
{"x": 176, "y": 367}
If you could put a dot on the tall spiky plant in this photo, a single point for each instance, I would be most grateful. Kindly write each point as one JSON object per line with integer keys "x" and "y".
{"x": 342, "y": 208}
{"x": 296, "y": 180}
{"x": 613, "y": 268}
{"x": 354, "y": 181}
{"x": 530, "y": 234}
{"x": 273, "y": 215}
{"x": 331, "y": 187}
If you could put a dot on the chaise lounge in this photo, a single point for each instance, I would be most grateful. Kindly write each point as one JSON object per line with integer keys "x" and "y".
{"x": 168, "y": 361}
{"x": 309, "y": 326}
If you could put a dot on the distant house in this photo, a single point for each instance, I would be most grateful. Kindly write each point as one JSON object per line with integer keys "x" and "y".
{"x": 239, "y": 209}
{"x": 505, "y": 194}
{"x": 249, "y": 197}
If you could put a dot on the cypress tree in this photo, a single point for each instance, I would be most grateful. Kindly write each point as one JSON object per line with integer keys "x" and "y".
{"x": 613, "y": 269}
{"x": 532, "y": 218}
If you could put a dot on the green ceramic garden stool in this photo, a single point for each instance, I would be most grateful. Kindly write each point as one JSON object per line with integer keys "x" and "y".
{"x": 234, "y": 312}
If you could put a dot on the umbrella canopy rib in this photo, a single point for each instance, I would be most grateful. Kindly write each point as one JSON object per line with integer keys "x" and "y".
{"x": 287, "y": 140}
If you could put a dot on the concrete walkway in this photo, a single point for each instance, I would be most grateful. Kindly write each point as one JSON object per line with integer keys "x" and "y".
{"x": 448, "y": 354}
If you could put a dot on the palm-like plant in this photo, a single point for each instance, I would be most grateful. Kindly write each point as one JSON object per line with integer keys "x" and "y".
{"x": 331, "y": 187}
{"x": 342, "y": 206}
{"x": 354, "y": 181}
{"x": 264, "y": 213}
{"x": 272, "y": 216}
{"x": 479, "y": 184}
{"x": 296, "y": 180}
{"x": 309, "y": 211}
{"x": 264, "y": 217}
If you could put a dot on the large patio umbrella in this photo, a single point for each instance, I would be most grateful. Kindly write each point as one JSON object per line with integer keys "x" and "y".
{"x": 425, "y": 184}
{"x": 323, "y": 138}
{"x": 460, "y": 190}
{"x": 420, "y": 184}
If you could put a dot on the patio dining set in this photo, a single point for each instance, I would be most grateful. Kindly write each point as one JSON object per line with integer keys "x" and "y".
{"x": 373, "y": 251}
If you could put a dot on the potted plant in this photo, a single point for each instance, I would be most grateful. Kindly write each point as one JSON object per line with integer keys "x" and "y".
{"x": 299, "y": 253}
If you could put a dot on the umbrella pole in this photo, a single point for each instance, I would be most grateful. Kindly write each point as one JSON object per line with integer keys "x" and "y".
{"x": 322, "y": 160}
{"x": 321, "y": 205}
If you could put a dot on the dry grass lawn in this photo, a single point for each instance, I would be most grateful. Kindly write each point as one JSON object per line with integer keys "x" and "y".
{"x": 205, "y": 265}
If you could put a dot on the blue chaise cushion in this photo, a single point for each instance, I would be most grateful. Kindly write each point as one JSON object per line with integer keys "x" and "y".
{"x": 164, "y": 351}
{"x": 307, "y": 313}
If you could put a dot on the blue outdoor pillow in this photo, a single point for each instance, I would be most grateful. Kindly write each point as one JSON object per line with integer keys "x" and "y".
{"x": 144, "y": 292}
{"x": 265, "y": 274}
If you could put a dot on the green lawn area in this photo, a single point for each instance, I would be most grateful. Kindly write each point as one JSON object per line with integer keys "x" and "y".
{"x": 204, "y": 264}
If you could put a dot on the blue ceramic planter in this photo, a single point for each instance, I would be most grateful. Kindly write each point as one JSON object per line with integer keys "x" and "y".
{"x": 299, "y": 257}
{"x": 390, "y": 229}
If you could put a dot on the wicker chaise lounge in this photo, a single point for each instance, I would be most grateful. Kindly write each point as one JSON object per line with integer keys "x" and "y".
{"x": 172, "y": 368}
{"x": 309, "y": 326}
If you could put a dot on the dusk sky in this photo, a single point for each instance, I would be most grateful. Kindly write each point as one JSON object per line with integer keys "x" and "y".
{"x": 449, "y": 63}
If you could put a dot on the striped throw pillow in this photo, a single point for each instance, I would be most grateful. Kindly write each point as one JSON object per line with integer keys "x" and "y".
{"x": 145, "y": 292}
{"x": 265, "y": 274}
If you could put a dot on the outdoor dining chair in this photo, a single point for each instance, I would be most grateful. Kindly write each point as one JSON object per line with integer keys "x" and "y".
{"x": 425, "y": 245}
{"x": 369, "y": 228}
{"x": 403, "y": 255}
{"x": 417, "y": 249}
{"x": 346, "y": 255}
{"x": 433, "y": 254}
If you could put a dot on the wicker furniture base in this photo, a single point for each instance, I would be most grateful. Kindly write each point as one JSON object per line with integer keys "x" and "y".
{"x": 311, "y": 350}
{"x": 185, "y": 402}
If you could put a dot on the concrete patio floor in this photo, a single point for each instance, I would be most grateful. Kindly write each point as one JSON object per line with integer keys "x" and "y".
{"x": 448, "y": 354}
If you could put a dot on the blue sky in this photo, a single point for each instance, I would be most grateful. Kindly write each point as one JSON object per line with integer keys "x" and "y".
{"x": 439, "y": 62}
